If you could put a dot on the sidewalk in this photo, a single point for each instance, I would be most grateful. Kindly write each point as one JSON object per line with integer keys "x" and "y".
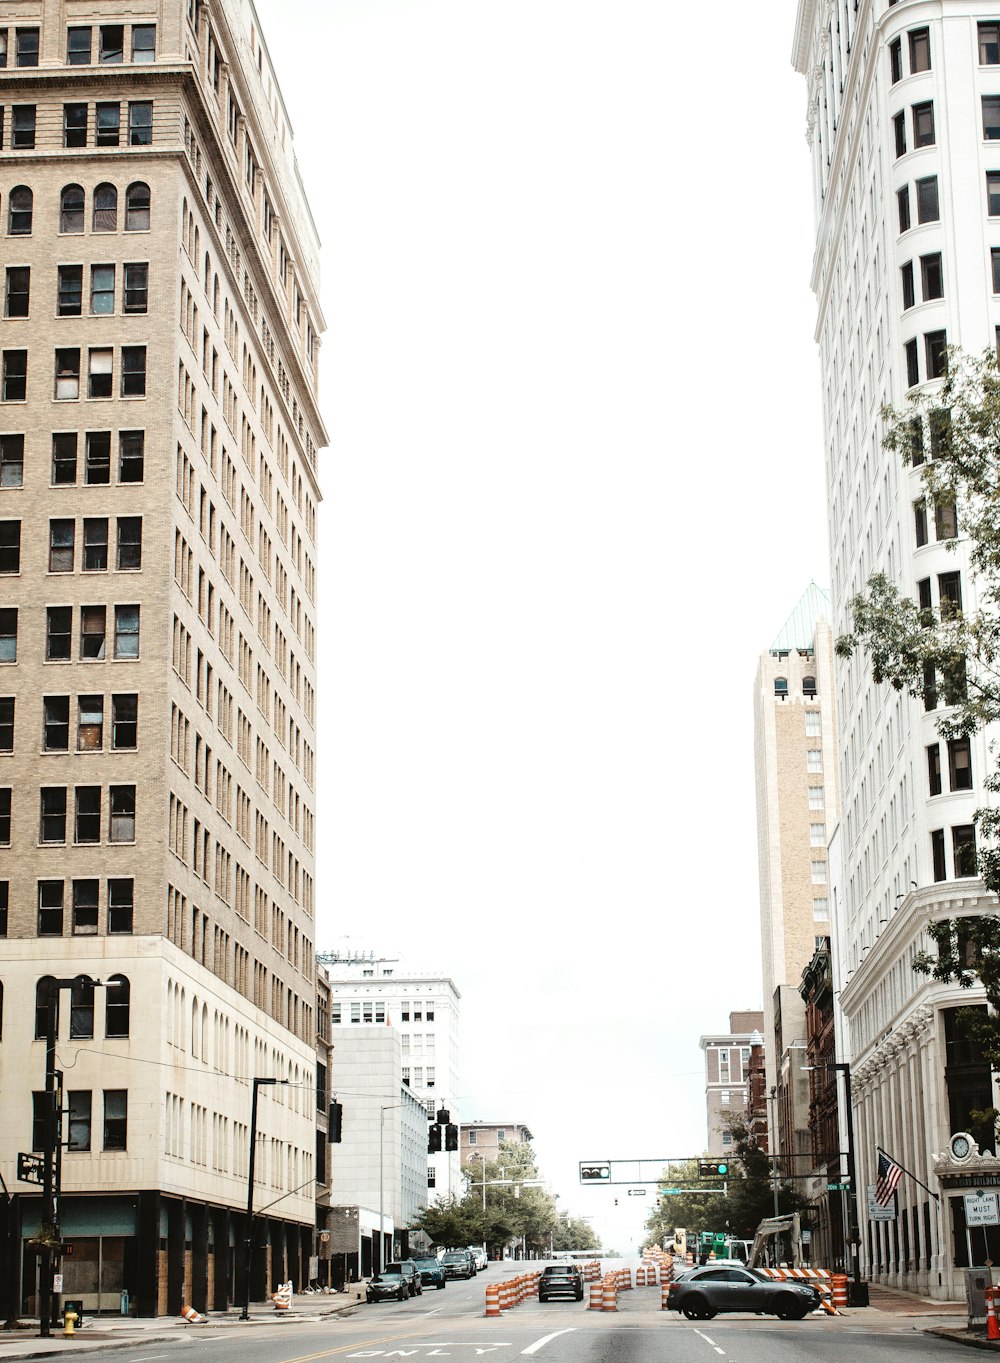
{"x": 123, "y": 1332}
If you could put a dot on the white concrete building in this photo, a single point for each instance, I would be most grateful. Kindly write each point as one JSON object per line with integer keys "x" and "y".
{"x": 903, "y": 124}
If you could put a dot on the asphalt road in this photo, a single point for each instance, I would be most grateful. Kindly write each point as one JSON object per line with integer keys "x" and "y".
{"x": 451, "y": 1325}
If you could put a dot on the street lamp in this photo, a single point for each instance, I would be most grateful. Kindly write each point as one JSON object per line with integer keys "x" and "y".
{"x": 477, "y": 1154}
{"x": 386, "y": 1107}
{"x": 257, "y": 1084}
{"x": 772, "y": 1099}
{"x": 853, "y": 1233}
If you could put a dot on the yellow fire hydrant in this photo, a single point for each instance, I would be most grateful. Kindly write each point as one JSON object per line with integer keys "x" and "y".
{"x": 69, "y": 1320}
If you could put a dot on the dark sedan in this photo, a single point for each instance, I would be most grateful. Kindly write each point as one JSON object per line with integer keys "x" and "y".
{"x": 561, "y": 1280}
{"x": 388, "y": 1287}
{"x": 704, "y": 1292}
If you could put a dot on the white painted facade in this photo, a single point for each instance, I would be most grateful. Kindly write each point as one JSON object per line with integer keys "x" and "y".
{"x": 900, "y": 151}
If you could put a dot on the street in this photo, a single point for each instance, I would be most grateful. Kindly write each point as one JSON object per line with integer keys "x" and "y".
{"x": 451, "y": 1324}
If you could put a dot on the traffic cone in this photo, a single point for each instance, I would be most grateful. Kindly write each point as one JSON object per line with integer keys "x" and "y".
{"x": 492, "y": 1299}
{"x": 194, "y": 1318}
{"x": 992, "y": 1330}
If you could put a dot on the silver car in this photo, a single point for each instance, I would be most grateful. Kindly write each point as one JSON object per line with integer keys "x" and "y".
{"x": 704, "y": 1292}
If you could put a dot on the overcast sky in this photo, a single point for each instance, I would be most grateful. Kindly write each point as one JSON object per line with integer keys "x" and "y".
{"x": 574, "y": 488}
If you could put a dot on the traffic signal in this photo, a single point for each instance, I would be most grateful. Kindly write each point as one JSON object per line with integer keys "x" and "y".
{"x": 443, "y": 1117}
{"x": 595, "y": 1173}
{"x": 335, "y": 1123}
{"x": 713, "y": 1168}
{"x": 450, "y": 1136}
{"x": 433, "y": 1140}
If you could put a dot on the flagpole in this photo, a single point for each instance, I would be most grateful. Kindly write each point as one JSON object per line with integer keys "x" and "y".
{"x": 934, "y": 1195}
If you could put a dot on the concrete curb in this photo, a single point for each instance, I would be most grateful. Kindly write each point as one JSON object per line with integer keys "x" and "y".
{"x": 963, "y": 1337}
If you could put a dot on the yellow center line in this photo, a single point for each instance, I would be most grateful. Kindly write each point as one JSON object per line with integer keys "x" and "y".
{"x": 358, "y": 1344}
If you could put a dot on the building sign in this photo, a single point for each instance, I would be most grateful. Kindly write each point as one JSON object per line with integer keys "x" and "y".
{"x": 877, "y": 1213}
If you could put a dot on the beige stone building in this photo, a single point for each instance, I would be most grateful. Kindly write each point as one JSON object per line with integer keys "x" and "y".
{"x": 482, "y": 1140}
{"x": 158, "y": 495}
{"x": 728, "y": 1063}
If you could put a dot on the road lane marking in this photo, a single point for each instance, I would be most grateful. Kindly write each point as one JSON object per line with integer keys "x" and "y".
{"x": 540, "y": 1343}
{"x": 712, "y": 1342}
{"x": 348, "y": 1348}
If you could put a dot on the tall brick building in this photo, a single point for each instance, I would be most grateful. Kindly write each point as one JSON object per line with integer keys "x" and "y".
{"x": 158, "y": 492}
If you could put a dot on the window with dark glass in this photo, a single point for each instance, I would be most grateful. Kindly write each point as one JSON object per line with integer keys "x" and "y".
{"x": 5, "y": 817}
{"x": 931, "y": 276}
{"x": 85, "y": 910}
{"x": 74, "y": 125}
{"x": 53, "y": 814}
{"x": 920, "y": 522}
{"x": 105, "y": 208}
{"x": 20, "y": 207}
{"x": 78, "y": 41}
{"x": 10, "y": 546}
{"x": 945, "y": 519}
{"x": 67, "y": 374}
{"x": 80, "y": 1116}
{"x": 136, "y": 286}
{"x": 928, "y": 207}
{"x": 895, "y": 61}
{"x": 137, "y": 207}
{"x": 100, "y": 373}
{"x": 960, "y": 763}
{"x": 950, "y": 594}
{"x": 930, "y": 687}
{"x": 117, "y": 1005}
{"x": 97, "y": 469}
{"x": 90, "y": 724}
{"x": 120, "y": 906}
{"x": 44, "y": 993}
{"x": 936, "y": 353}
{"x": 71, "y": 208}
{"x": 26, "y": 47}
{"x": 15, "y": 375}
{"x": 129, "y": 543}
{"x": 102, "y": 290}
{"x": 107, "y": 124}
{"x": 923, "y": 124}
{"x": 39, "y": 1107}
{"x": 4, "y": 906}
{"x": 133, "y": 371}
{"x": 940, "y": 869}
{"x": 58, "y": 633}
{"x": 899, "y": 132}
{"x": 991, "y": 117}
{"x": 6, "y": 723}
{"x": 62, "y": 545}
{"x": 115, "y": 1119}
{"x": 124, "y": 720}
{"x": 11, "y": 460}
{"x": 140, "y": 123}
{"x": 81, "y": 1004}
{"x": 93, "y": 632}
{"x": 906, "y": 282}
{"x": 903, "y": 207}
{"x": 22, "y": 120}
{"x": 131, "y": 456}
{"x": 126, "y": 631}
{"x": 55, "y": 723}
{"x": 920, "y": 50}
{"x": 112, "y": 48}
{"x": 18, "y": 290}
{"x": 989, "y": 44}
{"x": 64, "y": 457}
{"x": 963, "y": 850}
{"x": 143, "y": 42}
{"x": 70, "y": 298}
{"x": 993, "y": 193}
{"x": 122, "y": 826}
{"x": 8, "y": 634}
{"x": 88, "y": 814}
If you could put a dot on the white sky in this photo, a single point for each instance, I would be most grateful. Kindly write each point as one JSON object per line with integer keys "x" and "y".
{"x": 574, "y": 488}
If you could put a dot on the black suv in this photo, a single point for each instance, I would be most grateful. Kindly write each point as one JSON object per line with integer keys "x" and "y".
{"x": 410, "y": 1272}
{"x": 561, "y": 1280}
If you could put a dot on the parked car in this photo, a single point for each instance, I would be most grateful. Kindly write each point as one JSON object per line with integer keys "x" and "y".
{"x": 704, "y": 1292}
{"x": 410, "y": 1272}
{"x": 431, "y": 1272}
{"x": 388, "y": 1287}
{"x": 458, "y": 1263}
{"x": 561, "y": 1280}
{"x": 478, "y": 1257}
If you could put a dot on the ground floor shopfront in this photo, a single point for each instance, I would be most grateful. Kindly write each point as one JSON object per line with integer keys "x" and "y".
{"x": 149, "y": 1254}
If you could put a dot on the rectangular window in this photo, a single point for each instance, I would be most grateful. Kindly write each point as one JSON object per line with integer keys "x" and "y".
{"x": 818, "y": 872}
{"x": 143, "y": 42}
{"x": 93, "y": 632}
{"x": 821, "y": 909}
{"x": 895, "y": 61}
{"x": 55, "y": 723}
{"x": 120, "y": 906}
{"x": 108, "y": 125}
{"x": 8, "y": 634}
{"x": 126, "y": 631}
{"x": 15, "y": 375}
{"x": 79, "y": 1119}
{"x": 950, "y": 594}
{"x": 100, "y": 376}
{"x": 50, "y": 911}
{"x": 6, "y": 723}
{"x": 814, "y": 759}
{"x": 11, "y": 460}
{"x": 933, "y": 769}
{"x": 960, "y": 764}
{"x": 88, "y": 814}
{"x": 52, "y": 820}
{"x": 95, "y": 544}
{"x": 816, "y": 797}
{"x": 912, "y": 371}
{"x": 140, "y": 123}
{"x": 991, "y": 117}
{"x": 64, "y": 458}
{"x": 85, "y": 909}
{"x": 122, "y": 826}
{"x": 131, "y": 456}
{"x": 963, "y": 848}
{"x": 903, "y": 208}
{"x": 920, "y": 50}
{"x": 931, "y": 276}
{"x": 920, "y": 522}
{"x": 989, "y": 44}
{"x": 5, "y": 817}
{"x": 90, "y": 724}
{"x": 22, "y": 117}
{"x": 97, "y": 467}
{"x": 936, "y": 354}
{"x": 67, "y": 375}
{"x": 133, "y": 371}
{"x": 78, "y": 41}
{"x": 10, "y": 547}
{"x": 124, "y": 720}
{"x": 993, "y": 193}
{"x": 899, "y": 132}
{"x": 906, "y": 283}
{"x": 112, "y": 49}
{"x": 814, "y": 724}
{"x": 18, "y": 291}
{"x": 923, "y": 124}
{"x": 102, "y": 293}
{"x": 940, "y": 870}
{"x": 129, "y": 543}
{"x": 817, "y": 835}
{"x": 70, "y": 297}
{"x": 136, "y": 286}
{"x": 930, "y": 687}
{"x": 115, "y": 1119}
{"x": 74, "y": 125}
{"x": 945, "y": 520}
{"x": 4, "y": 907}
{"x": 62, "y": 545}
{"x": 58, "y": 630}
{"x": 928, "y": 207}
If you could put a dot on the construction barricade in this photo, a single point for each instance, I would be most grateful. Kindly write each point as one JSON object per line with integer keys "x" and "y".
{"x": 610, "y": 1294}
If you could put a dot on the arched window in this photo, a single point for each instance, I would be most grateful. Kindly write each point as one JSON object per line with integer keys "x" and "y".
{"x": 195, "y": 1015}
{"x": 809, "y": 686}
{"x": 137, "y": 207}
{"x": 71, "y": 209}
{"x": 118, "y": 992}
{"x": 781, "y": 687}
{"x": 81, "y": 1017}
{"x": 41, "y": 1000}
{"x": 105, "y": 208}
{"x": 20, "y": 203}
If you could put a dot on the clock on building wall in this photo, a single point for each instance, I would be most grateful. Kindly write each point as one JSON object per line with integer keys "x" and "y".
{"x": 961, "y": 1146}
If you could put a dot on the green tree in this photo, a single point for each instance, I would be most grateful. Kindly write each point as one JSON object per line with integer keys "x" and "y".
{"x": 573, "y": 1233}
{"x": 951, "y": 653}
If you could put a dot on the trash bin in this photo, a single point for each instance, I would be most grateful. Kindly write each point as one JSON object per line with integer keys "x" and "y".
{"x": 976, "y": 1283}
{"x": 857, "y": 1293}
{"x": 77, "y": 1308}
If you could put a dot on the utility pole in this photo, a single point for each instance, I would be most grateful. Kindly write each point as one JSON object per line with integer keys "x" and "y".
{"x": 245, "y": 1313}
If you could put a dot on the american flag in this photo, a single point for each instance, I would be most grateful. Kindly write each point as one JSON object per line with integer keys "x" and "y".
{"x": 889, "y": 1174}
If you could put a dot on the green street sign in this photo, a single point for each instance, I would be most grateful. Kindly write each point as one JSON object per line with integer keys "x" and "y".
{"x": 838, "y": 1187}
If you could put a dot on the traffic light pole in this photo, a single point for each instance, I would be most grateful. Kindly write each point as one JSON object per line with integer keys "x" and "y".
{"x": 50, "y": 1206}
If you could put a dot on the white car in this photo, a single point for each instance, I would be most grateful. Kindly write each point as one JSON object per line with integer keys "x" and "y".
{"x": 478, "y": 1257}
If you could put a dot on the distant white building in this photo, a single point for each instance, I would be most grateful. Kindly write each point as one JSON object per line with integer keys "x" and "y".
{"x": 424, "y": 1009}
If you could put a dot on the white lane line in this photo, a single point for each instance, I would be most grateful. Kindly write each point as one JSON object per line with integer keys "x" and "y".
{"x": 712, "y": 1342}
{"x": 545, "y": 1339}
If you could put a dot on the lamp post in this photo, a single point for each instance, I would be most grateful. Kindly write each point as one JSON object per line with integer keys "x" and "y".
{"x": 257, "y": 1084}
{"x": 385, "y": 1107}
{"x": 772, "y": 1100}
{"x": 477, "y": 1154}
